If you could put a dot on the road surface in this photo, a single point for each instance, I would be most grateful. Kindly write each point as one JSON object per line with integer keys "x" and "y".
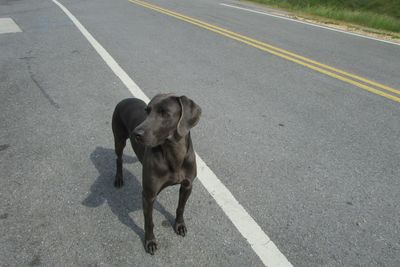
{"x": 300, "y": 124}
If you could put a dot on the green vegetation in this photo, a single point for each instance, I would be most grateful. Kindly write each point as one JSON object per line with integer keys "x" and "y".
{"x": 378, "y": 14}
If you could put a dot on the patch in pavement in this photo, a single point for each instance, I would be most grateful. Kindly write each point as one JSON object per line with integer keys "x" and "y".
{"x": 4, "y": 147}
{"x": 6, "y": 2}
{"x": 7, "y": 25}
{"x": 36, "y": 261}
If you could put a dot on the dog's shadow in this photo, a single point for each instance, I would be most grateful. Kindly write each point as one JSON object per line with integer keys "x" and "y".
{"x": 124, "y": 200}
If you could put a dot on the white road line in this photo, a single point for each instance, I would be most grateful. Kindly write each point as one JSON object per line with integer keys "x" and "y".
{"x": 307, "y": 23}
{"x": 7, "y": 25}
{"x": 114, "y": 66}
{"x": 250, "y": 230}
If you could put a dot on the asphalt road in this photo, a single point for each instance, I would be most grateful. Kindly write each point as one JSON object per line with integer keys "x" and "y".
{"x": 312, "y": 158}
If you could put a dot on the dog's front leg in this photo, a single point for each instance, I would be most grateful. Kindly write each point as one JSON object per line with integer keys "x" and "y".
{"x": 150, "y": 243}
{"x": 184, "y": 193}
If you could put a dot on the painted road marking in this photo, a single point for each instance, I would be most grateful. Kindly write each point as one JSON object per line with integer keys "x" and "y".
{"x": 308, "y": 23}
{"x": 114, "y": 66}
{"x": 363, "y": 83}
{"x": 250, "y": 230}
{"x": 7, "y": 25}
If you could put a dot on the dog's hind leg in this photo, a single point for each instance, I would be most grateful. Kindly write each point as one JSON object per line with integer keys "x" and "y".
{"x": 120, "y": 136}
{"x": 119, "y": 149}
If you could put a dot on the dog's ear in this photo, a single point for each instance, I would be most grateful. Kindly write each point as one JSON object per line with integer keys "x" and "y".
{"x": 190, "y": 115}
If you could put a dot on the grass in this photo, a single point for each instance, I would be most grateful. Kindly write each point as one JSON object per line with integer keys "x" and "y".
{"x": 377, "y": 14}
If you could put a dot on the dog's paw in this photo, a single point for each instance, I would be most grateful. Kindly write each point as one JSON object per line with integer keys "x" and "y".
{"x": 150, "y": 246}
{"x": 118, "y": 182}
{"x": 180, "y": 228}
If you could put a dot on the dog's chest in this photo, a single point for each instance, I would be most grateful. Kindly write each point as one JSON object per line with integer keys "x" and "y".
{"x": 177, "y": 177}
{"x": 170, "y": 166}
{"x": 175, "y": 173}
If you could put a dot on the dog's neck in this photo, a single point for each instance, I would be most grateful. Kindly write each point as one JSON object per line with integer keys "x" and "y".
{"x": 175, "y": 151}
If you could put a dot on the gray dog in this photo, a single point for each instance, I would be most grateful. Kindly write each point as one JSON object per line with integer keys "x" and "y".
{"x": 160, "y": 136}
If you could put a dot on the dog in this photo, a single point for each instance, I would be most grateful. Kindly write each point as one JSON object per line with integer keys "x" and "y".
{"x": 160, "y": 136}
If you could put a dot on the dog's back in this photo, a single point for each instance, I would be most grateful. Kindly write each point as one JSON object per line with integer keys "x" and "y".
{"x": 122, "y": 126}
{"x": 134, "y": 113}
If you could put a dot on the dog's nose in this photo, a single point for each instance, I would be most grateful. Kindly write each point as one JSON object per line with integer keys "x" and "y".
{"x": 138, "y": 133}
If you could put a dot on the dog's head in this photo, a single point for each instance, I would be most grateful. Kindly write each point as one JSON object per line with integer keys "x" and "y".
{"x": 169, "y": 117}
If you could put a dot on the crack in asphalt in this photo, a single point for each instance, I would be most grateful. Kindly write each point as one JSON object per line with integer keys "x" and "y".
{"x": 32, "y": 75}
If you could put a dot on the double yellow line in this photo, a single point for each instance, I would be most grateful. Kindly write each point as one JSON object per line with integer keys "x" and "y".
{"x": 363, "y": 83}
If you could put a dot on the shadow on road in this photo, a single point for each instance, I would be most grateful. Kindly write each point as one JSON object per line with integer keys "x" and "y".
{"x": 121, "y": 201}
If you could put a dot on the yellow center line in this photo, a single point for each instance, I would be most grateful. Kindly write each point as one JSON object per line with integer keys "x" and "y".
{"x": 319, "y": 67}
